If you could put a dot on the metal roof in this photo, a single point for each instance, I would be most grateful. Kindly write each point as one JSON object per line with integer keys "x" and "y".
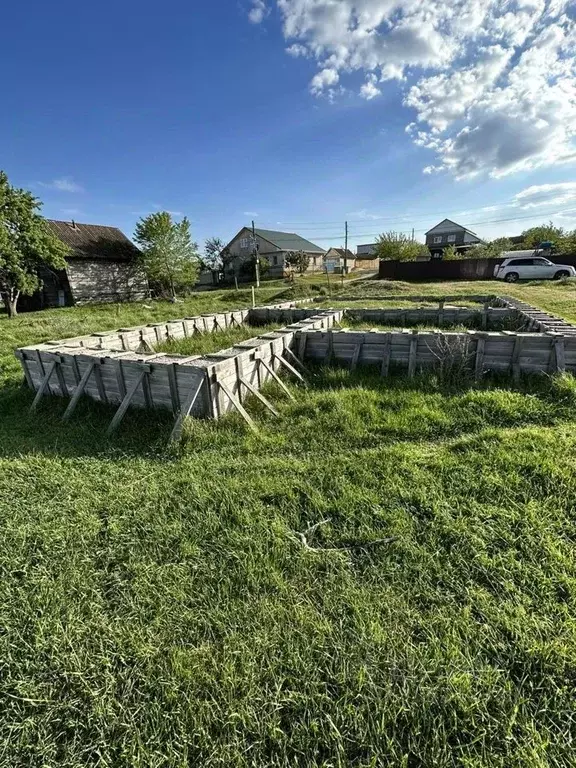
{"x": 288, "y": 241}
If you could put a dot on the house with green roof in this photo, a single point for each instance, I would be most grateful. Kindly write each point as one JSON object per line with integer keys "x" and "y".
{"x": 272, "y": 246}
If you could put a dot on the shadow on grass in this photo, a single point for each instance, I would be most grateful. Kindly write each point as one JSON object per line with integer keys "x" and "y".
{"x": 43, "y": 432}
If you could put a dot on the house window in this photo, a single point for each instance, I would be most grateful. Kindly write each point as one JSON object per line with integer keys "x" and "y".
{"x": 438, "y": 239}
{"x": 451, "y": 238}
{"x": 275, "y": 261}
{"x": 244, "y": 243}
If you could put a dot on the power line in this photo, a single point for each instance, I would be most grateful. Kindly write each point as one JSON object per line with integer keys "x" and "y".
{"x": 316, "y": 226}
{"x": 338, "y": 235}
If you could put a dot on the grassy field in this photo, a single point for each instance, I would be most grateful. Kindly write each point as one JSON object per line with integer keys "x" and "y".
{"x": 157, "y": 607}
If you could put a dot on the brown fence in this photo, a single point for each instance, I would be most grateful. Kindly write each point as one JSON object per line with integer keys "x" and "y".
{"x": 459, "y": 269}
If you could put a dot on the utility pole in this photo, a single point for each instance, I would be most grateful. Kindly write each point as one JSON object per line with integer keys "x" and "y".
{"x": 412, "y": 234}
{"x": 256, "y": 259}
{"x": 346, "y": 247}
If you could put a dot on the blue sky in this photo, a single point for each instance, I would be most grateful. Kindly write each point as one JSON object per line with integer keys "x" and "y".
{"x": 297, "y": 113}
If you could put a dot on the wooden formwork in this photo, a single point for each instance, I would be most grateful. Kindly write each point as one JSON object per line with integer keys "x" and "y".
{"x": 114, "y": 368}
{"x": 505, "y": 351}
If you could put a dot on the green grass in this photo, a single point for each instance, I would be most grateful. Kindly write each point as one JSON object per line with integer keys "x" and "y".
{"x": 207, "y": 343}
{"x": 556, "y": 297}
{"x": 157, "y": 610}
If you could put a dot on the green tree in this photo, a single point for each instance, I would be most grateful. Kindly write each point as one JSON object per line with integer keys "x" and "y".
{"x": 451, "y": 254}
{"x": 535, "y": 235}
{"x": 298, "y": 261}
{"x": 169, "y": 254}
{"x": 216, "y": 254}
{"x": 26, "y": 243}
{"x": 492, "y": 249}
{"x": 396, "y": 246}
{"x": 248, "y": 266}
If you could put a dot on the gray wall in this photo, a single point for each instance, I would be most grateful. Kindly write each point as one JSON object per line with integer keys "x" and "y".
{"x": 104, "y": 280}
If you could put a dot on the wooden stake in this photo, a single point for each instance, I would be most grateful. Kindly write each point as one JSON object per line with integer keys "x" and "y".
{"x": 78, "y": 392}
{"x": 27, "y": 375}
{"x": 120, "y": 413}
{"x": 259, "y": 395}
{"x": 238, "y": 405}
{"x": 485, "y": 315}
{"x": 479, "y": 362}
{"x": 302, "y": 345}
{"x": 356, "y": 356}
{"x": 282, "y": 360}
{"x": 385, "y": 367}
{"x": 185, "y": 411}
{"x": 559, "y": 354}
{"x": 412, "y": 354}
{"x": 295, "y": 360}
{"x": 441, "y": 312}
{"x": 173, "y": 384}
{"x": 515, "y": 360}
{"x": 276, "y": 378}
{"x": 43, "y": 386}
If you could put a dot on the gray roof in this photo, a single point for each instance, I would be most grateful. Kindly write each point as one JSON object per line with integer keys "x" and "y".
{"x": 94, "y": 241}
{"x": 288, "y": 241}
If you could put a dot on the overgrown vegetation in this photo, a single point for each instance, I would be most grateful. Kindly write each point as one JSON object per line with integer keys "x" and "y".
{"x": 158, "y": 609}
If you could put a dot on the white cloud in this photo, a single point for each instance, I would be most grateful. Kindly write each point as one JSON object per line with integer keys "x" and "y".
{"x": 369, "y": 90}
{"x": 63, "y": 184}
{"x": 323, "y": 80}
{"x": 540, "y": 195}
{"x": 258, "y": 12}
{"x": 250, "y": 214}
{"x": 296, "y": 50}
{"x": 491, "y": 84}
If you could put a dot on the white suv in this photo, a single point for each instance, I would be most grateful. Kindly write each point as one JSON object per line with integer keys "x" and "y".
{"x": 531, "y": 268}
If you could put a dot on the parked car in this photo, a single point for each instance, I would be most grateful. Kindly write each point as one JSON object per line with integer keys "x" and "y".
{"x": 531, "y": 268}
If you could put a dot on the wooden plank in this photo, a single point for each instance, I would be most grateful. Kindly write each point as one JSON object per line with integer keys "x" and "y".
{"x": 329, "y": 348}
{"x": 185, "y": 410}
{"x": 302, "y": 345}
{"x": 560, "y": 354}
{"x": 441, "y": 312}
{"x": 43, "y": 386}
{"x": 259, "y": 395}
{"x": 147, "y": 390}
{"x": 515, "y": 359}
{"x": 120, "y": 413}
{"x": 78, "y": 392}
{"x": 385, "y": 367}
{"x": 172, "y": 371}
{"x": 412, "y": 354}
{"x": 295, "y": 360}
{"x": 282, "y": 360}
{"x": 27, "y": 375}
{"x": 99, "y": 383}
{"x": 479, "y": 360}
{"x": 485, "y": 315}
{"x": 356, "y": 356}
{"x": 120, "y": 378}
{"x": 39, "y": 361}
{"x": 238, "y": 405}
{"x": 276, "y": 378}
{"x": 61, "y": 379}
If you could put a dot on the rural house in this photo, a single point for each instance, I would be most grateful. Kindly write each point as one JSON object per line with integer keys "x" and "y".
{"x": 334, "y": 260}
{"x": 102, "y": 265}
{"x": 448, "y": 233}
{"x": 273, "y": 246}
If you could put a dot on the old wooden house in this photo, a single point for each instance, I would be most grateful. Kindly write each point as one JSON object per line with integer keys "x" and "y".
{"x": 103, "y": 265}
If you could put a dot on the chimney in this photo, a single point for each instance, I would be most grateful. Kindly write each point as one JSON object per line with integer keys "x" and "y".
{"x": 73, "y": 224}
